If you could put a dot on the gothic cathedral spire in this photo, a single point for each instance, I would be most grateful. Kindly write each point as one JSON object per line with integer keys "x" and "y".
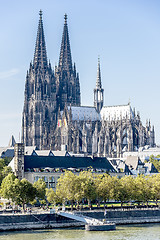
{"x": 98, "y": 91}
{"x": 65, "y": 59}
{"x": 98, "y": 82}
{"x": 40, "y": 55}
{"x": 68, "y": 87}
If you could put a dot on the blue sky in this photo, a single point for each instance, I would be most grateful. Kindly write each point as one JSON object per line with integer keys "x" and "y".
{"x": 126, "y": 35}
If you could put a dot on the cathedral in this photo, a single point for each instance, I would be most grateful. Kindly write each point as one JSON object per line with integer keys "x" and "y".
{"x": 53, "y": 117}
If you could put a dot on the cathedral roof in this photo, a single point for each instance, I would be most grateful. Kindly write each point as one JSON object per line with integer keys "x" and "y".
{"x": 116, "y": 112}
{"x": 84, "y": 113}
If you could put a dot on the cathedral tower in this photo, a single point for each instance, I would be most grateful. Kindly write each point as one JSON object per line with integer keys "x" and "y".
{"x": 67, "y": 79}
{"x": 98, "y": 91}
{"x": 40, "y": 97}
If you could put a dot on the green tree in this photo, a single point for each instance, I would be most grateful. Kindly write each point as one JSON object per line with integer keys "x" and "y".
{"x": 155, "y": 161}
{"x": 4, "y": 170}
{"x": 40, "y": 187}
{"x": 87, "y": 186}
{"x": 143, "y": 189}
{"x": 20, "y": 192}
{"x": 7, "y": 187}
{"x": 2, "y": 164}
{"x": 74, "y": 188}
{"x": 51, "y": 196}
{"x": 155, "y": 182}
{"x": 7, "y": 160}
{"x": 124, "y": 189}
{"x": 25, "y": 192}
{"x": 104, "y": 185}
{"x": 66, "y": 188}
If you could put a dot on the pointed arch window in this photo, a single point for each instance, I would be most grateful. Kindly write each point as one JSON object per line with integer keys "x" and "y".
{"x": 31, "y": 113}
{"x": 45, "y": 87}
{"x": 46, "y": 113}
{"x": 125, "y": 140}
{"x": 32, "y": 88}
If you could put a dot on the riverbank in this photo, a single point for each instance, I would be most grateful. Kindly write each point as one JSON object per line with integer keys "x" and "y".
{"x": 126, "y": 216}
{"x": 11, "y": 222}
{"x": 14, "y": 222}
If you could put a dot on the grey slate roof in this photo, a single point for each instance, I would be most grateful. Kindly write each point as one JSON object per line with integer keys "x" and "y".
{"x": 84, "y": 113}
{"x": 119, "y": 164}
{"x": 6, "y": 152}
{"x": 31, "y": 162}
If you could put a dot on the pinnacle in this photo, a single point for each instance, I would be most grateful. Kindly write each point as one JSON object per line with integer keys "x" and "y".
{"x": 40, "y": 13}
{"x": 12, "y": 142}
{"x": 65, "y": 18}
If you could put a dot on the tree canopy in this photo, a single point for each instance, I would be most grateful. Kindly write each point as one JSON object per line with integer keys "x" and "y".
{"x": 155, "y": 161}
{"x": 21, "y": 192}
{"x": 83, "y": 186}
{"x": 4, "y": 169}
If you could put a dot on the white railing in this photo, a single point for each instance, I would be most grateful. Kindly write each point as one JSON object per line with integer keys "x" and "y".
{"x": 81, "y": 218}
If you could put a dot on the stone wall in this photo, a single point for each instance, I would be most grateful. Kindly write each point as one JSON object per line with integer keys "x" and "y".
{"x": 41, "y": 221}
{"x": 126, "y": 216}
{"x": 35, "y": 221}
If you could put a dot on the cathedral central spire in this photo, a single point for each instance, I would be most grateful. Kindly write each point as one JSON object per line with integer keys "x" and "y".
{"x": 65, "y": 59}
{"x": 98, "y": 91}
{"x": 98, "y": 82}
{"x": 40, "y": 55}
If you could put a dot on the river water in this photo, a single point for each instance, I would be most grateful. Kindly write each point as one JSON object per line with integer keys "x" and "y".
{"x": 130, "y": 232}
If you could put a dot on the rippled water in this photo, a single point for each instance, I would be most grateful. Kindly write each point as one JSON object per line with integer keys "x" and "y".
{"x": 134, "y": 232}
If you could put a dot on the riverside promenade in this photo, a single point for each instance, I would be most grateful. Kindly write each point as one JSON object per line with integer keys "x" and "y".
{"x": 35, "y": 220}
{"x": 125, "y": 216}
{"x": 51, "y": 220}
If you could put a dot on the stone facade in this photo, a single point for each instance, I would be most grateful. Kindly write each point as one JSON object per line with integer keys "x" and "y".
{"x": 53, "y": 117}
{"x": 49, "y": 165}
{"x": 19, "y": 160}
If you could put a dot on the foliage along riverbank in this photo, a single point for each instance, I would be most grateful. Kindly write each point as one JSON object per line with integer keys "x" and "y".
{"x": 103, "y": 187}
{"x": 77, "y": 189}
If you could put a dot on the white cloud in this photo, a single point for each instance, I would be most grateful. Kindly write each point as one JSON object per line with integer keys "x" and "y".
{"x": 9, "y": 73}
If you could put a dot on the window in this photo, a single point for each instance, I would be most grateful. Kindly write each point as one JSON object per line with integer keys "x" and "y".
{"x": 36, "y": 178}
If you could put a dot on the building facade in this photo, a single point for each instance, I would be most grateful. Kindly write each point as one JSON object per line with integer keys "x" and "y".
{"x": 50, "y": 165}
{"x": 53, "y": 117}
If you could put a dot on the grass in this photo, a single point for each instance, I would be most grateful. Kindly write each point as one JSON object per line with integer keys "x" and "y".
{"x": 112, "y": 204}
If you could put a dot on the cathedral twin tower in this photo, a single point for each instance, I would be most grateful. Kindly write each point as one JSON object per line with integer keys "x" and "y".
{"x": 46, "y": 90}
{"x": 53, "y": 117}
